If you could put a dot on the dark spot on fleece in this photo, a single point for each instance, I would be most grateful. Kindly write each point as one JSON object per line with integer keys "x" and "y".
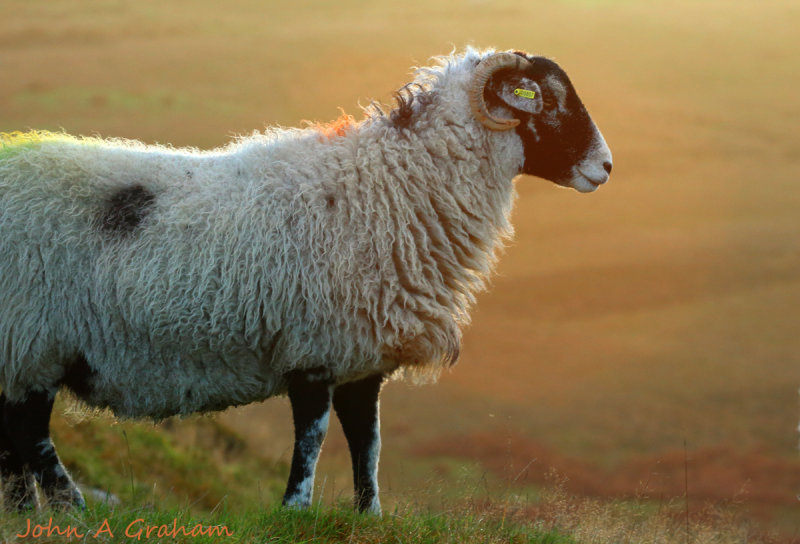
{"x": 126, "y": 209}
{"x": 403, "y": 115}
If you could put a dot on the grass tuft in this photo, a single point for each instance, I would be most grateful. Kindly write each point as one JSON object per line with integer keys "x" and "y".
{"x": 197, "y": 462}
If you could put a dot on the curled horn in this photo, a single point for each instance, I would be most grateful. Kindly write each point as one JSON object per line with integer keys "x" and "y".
{"x": 485, "y": 70}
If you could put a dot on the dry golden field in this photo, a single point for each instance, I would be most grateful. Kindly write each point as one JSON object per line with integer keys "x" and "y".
{"x": 661, "y": 311}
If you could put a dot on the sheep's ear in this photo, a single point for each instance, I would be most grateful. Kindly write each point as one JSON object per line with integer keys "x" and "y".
{"x": 521, "y": 94}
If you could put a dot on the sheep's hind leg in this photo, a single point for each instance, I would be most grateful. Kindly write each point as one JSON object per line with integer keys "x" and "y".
{"x": 311, "y": 407}
{"x": 27, "y": 425}
{"x": 357, "y": 406}
{"x": 19, "y": 490}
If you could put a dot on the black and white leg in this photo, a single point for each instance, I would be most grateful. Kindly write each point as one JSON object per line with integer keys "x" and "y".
{"x": 357, "y": 405}
{"x": 19, "y": 491}
{"x": 26, "y": 425}
{"x": 311, "y": 406}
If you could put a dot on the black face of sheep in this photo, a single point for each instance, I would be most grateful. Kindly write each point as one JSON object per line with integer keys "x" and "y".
{"x": 562, "y": 143}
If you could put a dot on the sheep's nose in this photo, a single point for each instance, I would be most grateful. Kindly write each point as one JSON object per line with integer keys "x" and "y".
{"x": 607, "y": 166}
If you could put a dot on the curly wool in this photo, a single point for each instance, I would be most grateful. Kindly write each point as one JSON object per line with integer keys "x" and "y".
{"x": 351, "y": 251}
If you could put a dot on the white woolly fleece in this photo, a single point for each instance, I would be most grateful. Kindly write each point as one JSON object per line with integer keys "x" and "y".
{"x": 357, "y": 251}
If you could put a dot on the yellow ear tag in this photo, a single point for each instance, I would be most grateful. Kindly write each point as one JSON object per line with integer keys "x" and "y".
{"x": 524, "y": 93}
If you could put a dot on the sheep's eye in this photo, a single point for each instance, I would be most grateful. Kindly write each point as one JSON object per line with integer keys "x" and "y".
{"x": 549, "y": 102}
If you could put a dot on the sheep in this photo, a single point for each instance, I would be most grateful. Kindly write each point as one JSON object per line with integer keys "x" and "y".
{"x": 315, "y": 262}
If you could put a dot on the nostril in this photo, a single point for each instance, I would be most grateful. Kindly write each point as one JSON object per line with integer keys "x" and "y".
{"x": 607, "y": 166}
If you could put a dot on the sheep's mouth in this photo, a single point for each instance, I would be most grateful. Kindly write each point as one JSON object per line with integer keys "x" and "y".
{"x": 597, "y": 182}
{"x": 581, "y": 182}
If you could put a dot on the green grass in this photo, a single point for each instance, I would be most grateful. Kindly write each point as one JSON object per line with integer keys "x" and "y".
{"x": 102, "y": 523}
{"x": 184, "y": 477}
{"x": 196, "y": 473}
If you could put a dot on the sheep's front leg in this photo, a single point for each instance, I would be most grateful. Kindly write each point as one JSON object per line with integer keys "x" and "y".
{"x": 27, "y": 426}
{"x": 19, "y": 490}
{"x": 311, "y": 407}
{"x": 357, "y": 406}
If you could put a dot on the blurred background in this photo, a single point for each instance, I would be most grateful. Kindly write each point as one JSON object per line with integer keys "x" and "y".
{"x": 629, "y": 334}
